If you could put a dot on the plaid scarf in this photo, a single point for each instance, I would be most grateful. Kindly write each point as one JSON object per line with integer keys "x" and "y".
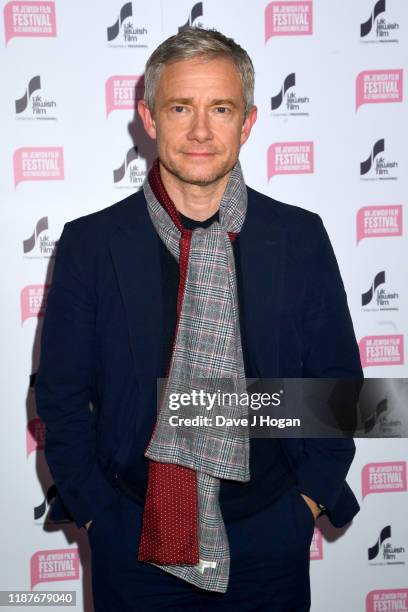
{"x": 183, "y": 530}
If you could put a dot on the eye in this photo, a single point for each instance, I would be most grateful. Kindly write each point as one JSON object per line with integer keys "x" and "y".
{"x": 178, "y": 109}
{"x": 221, "y": 110}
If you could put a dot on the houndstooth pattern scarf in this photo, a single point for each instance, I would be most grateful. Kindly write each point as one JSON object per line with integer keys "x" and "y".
{"x": 207, "y": 347}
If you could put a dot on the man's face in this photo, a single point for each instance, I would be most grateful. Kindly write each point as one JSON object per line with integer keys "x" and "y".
{"x": 198, "y": 119}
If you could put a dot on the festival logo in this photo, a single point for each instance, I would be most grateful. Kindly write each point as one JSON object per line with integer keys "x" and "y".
{"x": 377, "y": 28}
{"x": 377, "y": 166}
{"x": 195, "y": 14}
{"x": 38, "y": 164}
{"x": 377, "y": 297}
{"x": 290, "y": 158}
{"x": 31, "y": 106}
{"x": 381, "y": 421}
{"x": 384, "y": 350}
{"x": 52, "y": 565}
{"x": 35, "y": 435}
{"x": 42, "y": 508}
{"x": 384, "y": 552}
{"x": 40, "y": 244}
{"x": 123, "y": 92}
{"x": 384, "y": 477}
{"x": 379, "y": 221}
{"x": 287, "y": 101}
{"x": 124, "y": 33}
{"x": 33, "y": 300}
{"x": 131, "y": 173}
{"x": 386, "y": 600}
{"x": 288, "y": 19}
{"x": 41, "y": 226}
{"x": 316, "y": 546}
{"x": 34, "y": 19}
{"x": 378, "y": 86}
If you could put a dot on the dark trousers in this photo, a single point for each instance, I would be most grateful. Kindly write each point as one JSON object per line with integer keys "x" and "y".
{"x": 269, "y": 563}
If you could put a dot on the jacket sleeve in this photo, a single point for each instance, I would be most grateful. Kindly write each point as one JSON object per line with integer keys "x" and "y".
{"x": 330, "y": 350}
{"x": 63, "y": 383}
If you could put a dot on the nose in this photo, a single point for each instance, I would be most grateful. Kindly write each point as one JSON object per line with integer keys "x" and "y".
{"x": 200, "y": 127}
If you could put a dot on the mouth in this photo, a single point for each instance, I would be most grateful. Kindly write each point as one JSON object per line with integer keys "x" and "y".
{"x": 199, "y": 154}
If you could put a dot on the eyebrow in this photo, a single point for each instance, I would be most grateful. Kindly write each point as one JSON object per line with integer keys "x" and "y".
{"x": 214, "y": 102}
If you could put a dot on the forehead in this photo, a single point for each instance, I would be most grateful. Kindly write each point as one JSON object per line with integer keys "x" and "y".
{"x": 198, "y": 76}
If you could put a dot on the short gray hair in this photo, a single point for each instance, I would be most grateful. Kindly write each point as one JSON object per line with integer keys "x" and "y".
{"x": 192, "y": 42}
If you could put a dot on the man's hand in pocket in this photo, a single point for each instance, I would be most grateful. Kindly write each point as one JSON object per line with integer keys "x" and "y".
{"x": 314, "y": 508}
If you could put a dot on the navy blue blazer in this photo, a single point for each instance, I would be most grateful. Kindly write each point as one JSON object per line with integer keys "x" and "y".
{"x": 101, "y": 341}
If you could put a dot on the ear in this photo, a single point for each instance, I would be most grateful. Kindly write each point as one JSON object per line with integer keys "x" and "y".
{"x": 248, "y": 123}
{"x": 147, "y": 119}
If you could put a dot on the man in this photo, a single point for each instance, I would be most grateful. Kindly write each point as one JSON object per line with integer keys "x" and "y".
{"x": 195, "y": 275}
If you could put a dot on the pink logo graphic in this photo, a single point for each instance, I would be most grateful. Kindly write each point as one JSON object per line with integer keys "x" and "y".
{"x": 33, "y": 301}
{"x": 51, "y": 565}
{"x": 385, "y": 477}
{"x": 29, "y": 19}
{"x": 382, "y": 350}
{"x": 38, "y": 164}
{"x": 35, "y": 435}
{"x": 375, "y": 86}
{"x": 316, "y": 545}
{"x": 288, "y": 19}
{"x": 122, "y": 92}
{"x": 383, "y": 600}
{"x": 290, "y": 158}
{"x": 377, "y": 221}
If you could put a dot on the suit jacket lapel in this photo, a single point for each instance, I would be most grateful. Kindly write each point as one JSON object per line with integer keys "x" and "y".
{"x": 261, "y": 252}
{"x": 136, "y": 256}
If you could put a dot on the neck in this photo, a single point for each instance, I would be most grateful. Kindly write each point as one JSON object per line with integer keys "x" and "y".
{"x": 198, "y": 202}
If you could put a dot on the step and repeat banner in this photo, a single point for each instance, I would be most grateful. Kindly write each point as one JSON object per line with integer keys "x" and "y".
{"x": 330, "y": 137}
